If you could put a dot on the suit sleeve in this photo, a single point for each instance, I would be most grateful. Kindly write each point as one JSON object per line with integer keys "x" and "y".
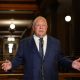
{"x": 63, "y": 60}
{"x": 18, "y": 57}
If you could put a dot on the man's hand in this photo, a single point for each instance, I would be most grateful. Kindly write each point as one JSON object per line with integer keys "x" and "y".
{"x": 7, "y": 65}
{"x": 76, "y": 64}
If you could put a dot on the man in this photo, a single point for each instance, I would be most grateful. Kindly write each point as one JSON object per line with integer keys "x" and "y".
{"x": 38, "y": 66}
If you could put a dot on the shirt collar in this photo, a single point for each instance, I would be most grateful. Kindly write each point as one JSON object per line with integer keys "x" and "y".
{"x": 36, "y": 37}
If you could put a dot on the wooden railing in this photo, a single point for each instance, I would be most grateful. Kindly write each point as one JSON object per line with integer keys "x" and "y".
{"x": 11, "y": 76}
{"x": 18, "y": 74}
{"x": 62, "y": 76}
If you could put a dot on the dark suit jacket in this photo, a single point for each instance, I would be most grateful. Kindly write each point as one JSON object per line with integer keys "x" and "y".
{"x": 28, "y": 55}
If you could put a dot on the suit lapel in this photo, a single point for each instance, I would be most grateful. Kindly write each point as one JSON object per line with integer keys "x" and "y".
{"x": 48, "y": 48}
{"x": 34, "y": 47}
{"x": 35, "y": 50}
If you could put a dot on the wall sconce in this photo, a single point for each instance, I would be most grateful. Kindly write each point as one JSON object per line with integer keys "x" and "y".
{"x": 10, "y": 39}
{"x": 10, "y": 47}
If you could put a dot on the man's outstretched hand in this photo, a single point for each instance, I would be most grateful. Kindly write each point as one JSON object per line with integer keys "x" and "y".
{"x": 7, "y": 65}
{"x": 76, "y": 64}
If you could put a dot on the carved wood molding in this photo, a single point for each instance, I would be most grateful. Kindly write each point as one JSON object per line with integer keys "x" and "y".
{"x": 19, "y": 0}
{"x": 33, "y": 7}
{"x": 63, "y": 76}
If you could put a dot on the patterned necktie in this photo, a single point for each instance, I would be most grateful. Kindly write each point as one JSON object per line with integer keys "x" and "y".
{"x": 41, "y": 47}
{"x": 42, "y": 55}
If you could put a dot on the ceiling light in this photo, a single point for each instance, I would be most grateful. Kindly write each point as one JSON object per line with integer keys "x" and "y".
{"x": 11, "y": 39}
{"x": 12, "y": 26}
{"x": 68, "y": 18}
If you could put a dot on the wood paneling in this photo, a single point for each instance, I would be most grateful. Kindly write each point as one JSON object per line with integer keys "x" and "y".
{"x": 19, "y": 0}
{"x": 63, "y": 76}
{"x": 18, "y": 7}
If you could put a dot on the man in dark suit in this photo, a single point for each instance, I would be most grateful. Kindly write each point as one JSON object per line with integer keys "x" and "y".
{"x": 40, "y": 62}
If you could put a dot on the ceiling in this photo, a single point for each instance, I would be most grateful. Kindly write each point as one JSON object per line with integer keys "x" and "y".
{"x": 21, "y": 13}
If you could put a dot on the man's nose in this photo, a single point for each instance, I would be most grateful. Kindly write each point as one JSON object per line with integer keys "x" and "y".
{"x": 41, "y": 26}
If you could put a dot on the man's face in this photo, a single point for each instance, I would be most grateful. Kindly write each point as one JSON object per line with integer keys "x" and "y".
{"x": 40, "y": 27}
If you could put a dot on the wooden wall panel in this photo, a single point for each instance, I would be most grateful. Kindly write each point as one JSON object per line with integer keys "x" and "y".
{"x": 18, "y": 7}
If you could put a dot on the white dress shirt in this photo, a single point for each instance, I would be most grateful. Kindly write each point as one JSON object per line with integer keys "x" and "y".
{"x": 36, "y": 39}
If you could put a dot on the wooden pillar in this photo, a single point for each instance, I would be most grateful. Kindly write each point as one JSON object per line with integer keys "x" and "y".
{"x": 76, "y": 11}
